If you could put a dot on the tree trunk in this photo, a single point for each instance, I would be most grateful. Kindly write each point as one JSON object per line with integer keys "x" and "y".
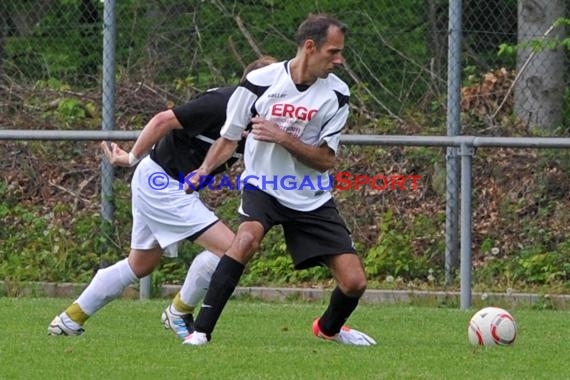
{"x": 437, "y": 19}
{"x": 540, "y": 87}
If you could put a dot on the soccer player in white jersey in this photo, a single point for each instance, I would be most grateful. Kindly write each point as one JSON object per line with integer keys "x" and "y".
{"x": 163, "y": 214}
{"x": 297, "y": 110}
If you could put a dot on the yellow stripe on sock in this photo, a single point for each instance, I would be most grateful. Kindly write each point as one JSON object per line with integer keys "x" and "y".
{"x": 180, "y": 306}
{"x": 76, "y": 314}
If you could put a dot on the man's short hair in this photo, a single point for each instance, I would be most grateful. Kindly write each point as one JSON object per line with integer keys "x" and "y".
{"x": 316, "y": 27}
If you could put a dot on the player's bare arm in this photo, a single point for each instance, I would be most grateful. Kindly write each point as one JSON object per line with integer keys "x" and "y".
{"x": 156, "y": 128}
{"x": 320, "y": 158}
{"x": 220, "y": 151}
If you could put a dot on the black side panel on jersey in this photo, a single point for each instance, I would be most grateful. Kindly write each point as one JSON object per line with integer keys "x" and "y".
{"x": 257, "y": 90}
{"x": 341, "y": 98}
{"x": 342, "y": 101}
{"x": 180, "y": 152}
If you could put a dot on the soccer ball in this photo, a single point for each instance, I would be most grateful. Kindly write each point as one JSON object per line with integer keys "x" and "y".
{"x": 492, "y": 326}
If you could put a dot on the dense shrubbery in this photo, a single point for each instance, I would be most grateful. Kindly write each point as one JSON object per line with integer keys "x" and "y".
{"x": 49, "y": 192}
{"x": 52, "y": 228}
{"x": 184, "y": 45}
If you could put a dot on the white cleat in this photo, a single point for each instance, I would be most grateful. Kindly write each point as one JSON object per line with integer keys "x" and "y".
{"x": 196, "y": 339}
{"x": 58, "y": 328}
{"x": 181, "y": 325}
{"x": 345, "y": 336}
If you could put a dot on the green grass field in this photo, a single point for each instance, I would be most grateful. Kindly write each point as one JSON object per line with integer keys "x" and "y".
{"x": 256, "y": 340}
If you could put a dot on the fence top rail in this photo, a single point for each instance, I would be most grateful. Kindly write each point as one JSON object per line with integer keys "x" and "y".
{"x": 457, "y": 141}
{"x": 24, "y": 134}
{"x": 443, "y": 141}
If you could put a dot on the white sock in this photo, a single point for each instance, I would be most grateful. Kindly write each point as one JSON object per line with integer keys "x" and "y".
{"x": 198, "y": 278}
{"x": 108, "y": 284}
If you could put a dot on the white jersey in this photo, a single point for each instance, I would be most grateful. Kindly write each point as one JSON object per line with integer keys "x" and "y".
{"x": 316, "y": 115}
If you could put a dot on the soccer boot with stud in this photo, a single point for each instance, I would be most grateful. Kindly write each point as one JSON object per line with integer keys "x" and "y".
{"x": 346, "y": 335}
{"x": 182, "y": 325}
{"x": 58, "y": 328}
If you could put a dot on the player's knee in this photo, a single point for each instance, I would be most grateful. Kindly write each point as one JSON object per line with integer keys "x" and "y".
{"x": 246, "y": 242}
{"x": 143, "y": 265}
{"x": 354, "y": 286}
{"x": 142, "y": 270}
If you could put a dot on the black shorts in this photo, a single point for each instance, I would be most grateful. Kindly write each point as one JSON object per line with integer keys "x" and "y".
{"x": 310, "y": 235}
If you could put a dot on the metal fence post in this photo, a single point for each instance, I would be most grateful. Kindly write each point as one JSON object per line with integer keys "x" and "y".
{"x": 107, "y": 171}
{"x": 453, "y": 129}
{"x": 108, "y": 120}
{"x": 466, "y": 168}
{"x": 145, "y": 285}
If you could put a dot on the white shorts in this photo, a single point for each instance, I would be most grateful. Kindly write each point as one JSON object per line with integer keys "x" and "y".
{"x": 163, "y": 214}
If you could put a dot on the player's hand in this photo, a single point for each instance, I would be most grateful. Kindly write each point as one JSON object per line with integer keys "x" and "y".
{"x": 114, "y": 154}
{"x": 266, "y": 130}
{"x": 192, "y": 180}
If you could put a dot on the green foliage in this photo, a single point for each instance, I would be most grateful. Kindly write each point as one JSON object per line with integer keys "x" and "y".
{"x": 61, "y": 44}
{"x": 38, "y": 248}
{"x": 203, "y": 44}
{"x": 538, "y": 45}
{"x": 394, "y": 255}
{"x": 537, "y": 266}
{"x": 531, "y": 267}
{"x": 69, "y": 110}
{"x": 49, "y": 246}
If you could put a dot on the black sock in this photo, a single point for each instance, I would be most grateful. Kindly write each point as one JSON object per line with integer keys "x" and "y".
{"x": 224, "y": 281}
{"x": 340, "y": 308}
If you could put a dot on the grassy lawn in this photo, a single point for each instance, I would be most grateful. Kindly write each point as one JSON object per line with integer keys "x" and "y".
{"x": 256, "y": 340}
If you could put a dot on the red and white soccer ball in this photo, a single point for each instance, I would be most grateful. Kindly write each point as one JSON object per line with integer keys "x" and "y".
{"x": 492, "y": 326}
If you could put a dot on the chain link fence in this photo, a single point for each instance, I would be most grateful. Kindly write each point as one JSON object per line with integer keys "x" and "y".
{"x": 52, "y": 70}
{"x": 396, "y": 52}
